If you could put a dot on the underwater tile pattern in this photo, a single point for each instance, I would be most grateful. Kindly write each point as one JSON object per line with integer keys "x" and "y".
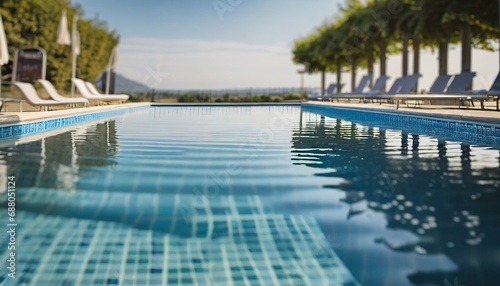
{"x": 230, "y": 241}
{"x": 478, "y": 133}
{"x": 22, "y": 129}
{"x": 128, "y": 194}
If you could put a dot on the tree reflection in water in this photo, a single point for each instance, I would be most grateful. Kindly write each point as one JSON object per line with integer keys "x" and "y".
{"x": 446, "y": 193}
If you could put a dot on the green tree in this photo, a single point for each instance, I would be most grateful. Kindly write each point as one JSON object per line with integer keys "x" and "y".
{"x": 434, "y": 31}
{"x": 311, "y": 51}
{"x": 34, "y": 23}
{"x": 478, "y": 23}
{"x": 367, "y": 29}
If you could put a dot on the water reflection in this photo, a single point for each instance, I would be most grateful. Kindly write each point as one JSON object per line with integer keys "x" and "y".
{"x": 56, "y": 159}
{"x": 445, "y": 193}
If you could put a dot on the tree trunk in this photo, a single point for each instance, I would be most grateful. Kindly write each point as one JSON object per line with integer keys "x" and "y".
{"x": 416, "y": 57}
{"x": 383, "y": 60}
{"x": 339, "y": 77}
{"x": 353, "y": 75}
{"x": 443, "y": 57}
{"x": 323, "y": 73}
{"x": 466, "y": 49}
{"x": 405, "y": 54}
{"x": 370, "y": 65}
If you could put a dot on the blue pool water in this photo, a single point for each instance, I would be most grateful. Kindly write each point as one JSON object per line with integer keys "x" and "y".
{"x": 249, "y": 196}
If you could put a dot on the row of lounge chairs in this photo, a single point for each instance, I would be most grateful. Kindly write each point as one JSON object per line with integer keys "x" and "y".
{"x": 86, "y": 89}
{"x": 441, "y": 89}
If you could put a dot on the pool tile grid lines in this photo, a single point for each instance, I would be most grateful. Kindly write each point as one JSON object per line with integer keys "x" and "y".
{"x": 252, "y": 249}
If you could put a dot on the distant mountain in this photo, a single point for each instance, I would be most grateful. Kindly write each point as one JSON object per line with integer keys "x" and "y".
{"x": 122, "y": 84}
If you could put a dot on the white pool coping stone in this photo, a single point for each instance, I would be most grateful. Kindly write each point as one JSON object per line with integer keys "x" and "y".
{"x": 453, "y": 114}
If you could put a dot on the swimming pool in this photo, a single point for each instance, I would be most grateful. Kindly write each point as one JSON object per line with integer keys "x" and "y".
{"x": 270, "y": 195}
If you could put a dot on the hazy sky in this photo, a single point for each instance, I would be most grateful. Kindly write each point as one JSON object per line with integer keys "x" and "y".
{"x": 198, "y": 44}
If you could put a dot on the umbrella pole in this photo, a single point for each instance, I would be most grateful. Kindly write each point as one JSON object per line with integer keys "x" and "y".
{"x": 73, "y": 75}
{"x": 108, "y": 78}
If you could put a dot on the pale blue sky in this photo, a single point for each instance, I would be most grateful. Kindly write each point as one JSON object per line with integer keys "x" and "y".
{"x": 180, "y": 44}
{"x": 248, "y": 21}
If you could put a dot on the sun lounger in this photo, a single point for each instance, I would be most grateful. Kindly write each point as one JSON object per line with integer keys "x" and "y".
{"x": 83, "y": 90}
{"x": 94, "y": 90}
{"x": 457, "y": 91}
{"x": 460, "y": 83}
{"x": 328, "y": 92}
{"x": 396, "y": 86}
{"x": 363, "y": 83}
{"x": 358, "y": 94}
{"x": 52, "y": 92}
{"x": 332, "y": 90}
{"x": 410, "y": 84}
{"x": 379, "y": 84}
{"x": 402, "y": 85}
{"x": 495, "y": 87}
{"x": 32, "y": 97}
{"x": 439, "y": 86}
{"x": 359, "y": 89}
{"x": 377, "y": 87}
{"x": 318, "y": 95}
{"x": 494, "y": 92}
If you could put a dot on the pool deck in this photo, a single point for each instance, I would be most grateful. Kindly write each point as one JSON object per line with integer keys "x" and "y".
{"x": 15, "y": 117}
{"x": 489, "y": 115}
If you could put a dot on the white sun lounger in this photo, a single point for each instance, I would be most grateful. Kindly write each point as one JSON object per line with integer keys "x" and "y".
{"x": 29, "y": 92}
{"x": 85, "y": 92}
{"x": 52, "y": 92}
{"x": 94, "y": 90}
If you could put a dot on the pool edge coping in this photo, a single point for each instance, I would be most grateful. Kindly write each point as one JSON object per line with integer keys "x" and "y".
{"x": 435, "y": 116}
{"x": 47, "y": 121}
{"x": 47, "y": 115}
